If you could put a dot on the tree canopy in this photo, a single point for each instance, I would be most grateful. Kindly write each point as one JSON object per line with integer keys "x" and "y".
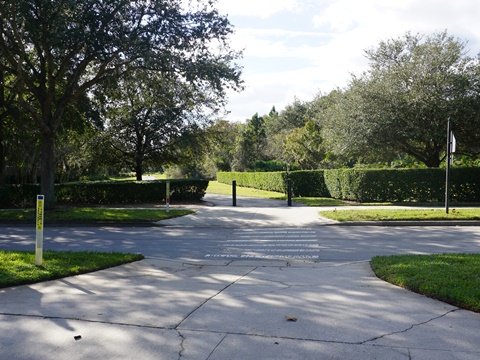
{"x": 58, "y": 50}
{"x": 150, "y": 116}
{"x": 403, "y": 101}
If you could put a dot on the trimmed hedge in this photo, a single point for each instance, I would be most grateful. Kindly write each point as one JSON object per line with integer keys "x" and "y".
{"x": 304, "y": 183}
{"x": 309, "y": 183}
{"x": 378, "y": 185}
{"x": 367, "y": 185}
{"x": 396, "y": 185}
{"x": 270, "y": 181}
{"x": 465, "y": 184}
{"x": 107, "y": 192}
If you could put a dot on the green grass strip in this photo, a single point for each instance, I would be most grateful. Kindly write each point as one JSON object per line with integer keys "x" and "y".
{"x": 214, "y": 187}
{"x": 93, "y": 214}
{"x": 18, "y": 267}
{"x": 452, "y": 278}
{"x": 318, "y": 201}
{"x": 401, "y": 214}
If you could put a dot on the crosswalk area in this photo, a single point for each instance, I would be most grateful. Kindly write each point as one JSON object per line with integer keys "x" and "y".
{"x": 269, "y": 243}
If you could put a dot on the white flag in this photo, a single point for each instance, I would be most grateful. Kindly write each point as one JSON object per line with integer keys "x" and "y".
{"x": 454, "y": 143}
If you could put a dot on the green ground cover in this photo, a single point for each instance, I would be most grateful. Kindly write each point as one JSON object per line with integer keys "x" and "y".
{"x": 318, "y": 201}
{"x": 132, "y": 177}
{"x": 93, "y": 214}
{"x": 452, "y": 278}
{"x": 18, "y": 267}
{"x": 401, "y": 214}
{"x": 214, "y": 187}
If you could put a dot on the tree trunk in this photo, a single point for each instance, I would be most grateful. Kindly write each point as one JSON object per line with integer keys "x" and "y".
{"x": 433, "y": 159}
{"x": 139, "y": 170}
{"x": 434, "y": 163}
{"x": 47, "y": 174}
{"x": 2, "y": 129}
{"x": 2, "y": 154}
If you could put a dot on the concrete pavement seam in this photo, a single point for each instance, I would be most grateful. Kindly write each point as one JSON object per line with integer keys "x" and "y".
{"x": 263, "y": 336}
{"x": 46, "y": 317}
{"x": 410, "y": 327}
{"x": 211, "y": 297}
{"x": 216, "y": 347}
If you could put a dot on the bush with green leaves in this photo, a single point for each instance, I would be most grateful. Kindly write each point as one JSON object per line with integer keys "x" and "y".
{"x": 304, "y": 183}
{"x": 308, "y": 183}
{"x": 367, "y": 185}
{"x": 270, "y": 181}
{"x": 107, "y": 192}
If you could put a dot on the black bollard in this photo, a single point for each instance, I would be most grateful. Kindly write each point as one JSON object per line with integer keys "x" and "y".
{"x": 234, "y": 192}
{"x": 289, "y": 192}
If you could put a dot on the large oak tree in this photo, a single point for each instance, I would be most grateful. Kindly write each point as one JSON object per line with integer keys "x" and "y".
{"x": 58, "y": 50}
{"x": 403, "y": 101}
{"x": 151, "y": 118}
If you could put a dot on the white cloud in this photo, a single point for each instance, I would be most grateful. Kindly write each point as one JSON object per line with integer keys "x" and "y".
{"x": 273, "y": 43}
{"x": 257, "y": 8}
{"x": 345, "y": 15}
{"x": 314, "y": 45}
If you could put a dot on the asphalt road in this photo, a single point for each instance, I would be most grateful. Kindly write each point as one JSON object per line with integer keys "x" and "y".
{"x": 322, "y": 243}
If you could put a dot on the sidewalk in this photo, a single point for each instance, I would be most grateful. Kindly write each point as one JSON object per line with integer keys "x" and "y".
{"x": 258, "y": 212}
{"x": 161, "y": 309}
{"x": 249, "y": 212}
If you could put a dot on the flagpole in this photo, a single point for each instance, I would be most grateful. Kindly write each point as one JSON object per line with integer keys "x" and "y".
{"x": 449, "y": 154}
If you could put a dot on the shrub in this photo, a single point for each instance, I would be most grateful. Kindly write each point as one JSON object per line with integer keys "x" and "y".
{"x": 366, "y": 185}
{"x": 270, "y": 181}
{"x": 304, "y": 183}
{"x": 110, "y": 192}
{"x": 308, "y": 183}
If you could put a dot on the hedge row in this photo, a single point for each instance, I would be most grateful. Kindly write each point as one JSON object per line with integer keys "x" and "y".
{"x": 308, "y": 183}
{"x": 386, "y": 185}
{"x": 367, "y": 185}
{"x": 270, "y": 181}
{"x": 111, "y": 192}
{"x": 304, "y": 183}
{"x": 403, "y": 184}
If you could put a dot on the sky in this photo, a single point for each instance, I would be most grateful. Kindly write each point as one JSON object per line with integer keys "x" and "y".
{"x": 302, "y": 48}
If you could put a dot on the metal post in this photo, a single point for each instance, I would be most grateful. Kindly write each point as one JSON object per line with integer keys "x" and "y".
{"x": 167, "y": 192}
{"x": 289, "y": 192}
{"x": 234, "y": 192}
{"x": 449, "y": 154}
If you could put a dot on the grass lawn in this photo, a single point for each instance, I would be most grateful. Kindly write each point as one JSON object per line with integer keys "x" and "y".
{"x": 18, "y": 267}
{"x": 452, "y": 278}
{"x": 132, "y": 177}
{"x": 93, "y": 214}
{"x": 214, "y": 187}
{"x": 319, "y": 201}
{"x": 401, "y": 214}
